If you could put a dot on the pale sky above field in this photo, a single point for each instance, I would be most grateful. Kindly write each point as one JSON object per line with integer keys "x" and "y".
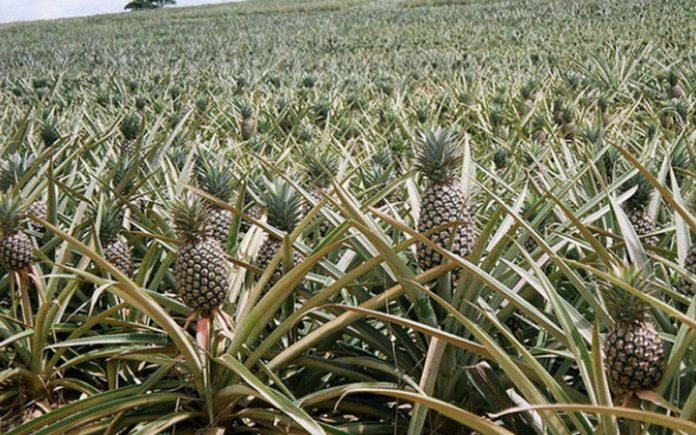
{"x": 23, "y": 10}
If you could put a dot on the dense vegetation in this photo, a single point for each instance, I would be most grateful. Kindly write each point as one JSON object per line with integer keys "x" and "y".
{"x": 359, "y": 216}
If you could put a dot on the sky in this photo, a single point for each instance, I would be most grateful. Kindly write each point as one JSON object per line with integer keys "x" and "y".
{"x": 24, "y": 10}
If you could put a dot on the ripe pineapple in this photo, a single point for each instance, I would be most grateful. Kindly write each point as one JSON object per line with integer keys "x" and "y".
{"x": 634, "y": 353}
{"x": 635, "y": 208}
{"x": 217, "y": 181}
{"x": 130, "y": 127}
{"x": 15, "y": 245}
{"x": 443, "y": 201}
{"x": 284, "y": 207}
{"x": 248, "y": 126}
{"x": 200, "y": 269}
{"x": 114, "y": 247}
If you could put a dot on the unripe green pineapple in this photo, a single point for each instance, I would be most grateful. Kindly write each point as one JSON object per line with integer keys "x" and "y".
{"x": 15, "y": 246}
{"x": 115, "y": 249}
{"x": 200, "y": 269}
{"x": 633, "y": 350}
{"x": 636, "y": 209}
{"x": 130, "y": 126}
{"x": 443, "y": 201}
{"x": 217, "y": 181}
{"x": 284, "y": 207}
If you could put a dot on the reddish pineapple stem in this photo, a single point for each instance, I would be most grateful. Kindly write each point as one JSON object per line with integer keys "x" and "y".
{"x": 22, "y": 281}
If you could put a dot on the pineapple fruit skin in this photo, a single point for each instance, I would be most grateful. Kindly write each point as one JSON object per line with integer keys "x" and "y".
{"x": 127, "y": 147}
{"x": 442, "y": 204}
{"x": 255, "y": 213}
{"x": 644, "y": 226}
{"x": 118, "y": 254}
{"x": 219, "y": 224}
{"x": 202, "y": 274}
{"x": 684, "y": 286}
{"x": 634, "y": 356}
{"x": 16, "y": 251}
{"x": 268, "y": 250}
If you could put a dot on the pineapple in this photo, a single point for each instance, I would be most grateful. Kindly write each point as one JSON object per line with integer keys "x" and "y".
{"x": 12, "y": 170}
{"x": 443, "y": 201}
{"x": 130, "y": 127}
{"x": 15, "y": 246}
{"x": 248, "y": 126}
{"x": 635, "y": 208}
{"x": 284, "y": 207}
{"x": 217, "y": 181}
{"x": 114, "y": 247}
{"x": 634, "y": 353}
{"x": 675, "y": 89}
{"x": 200, "y": 269}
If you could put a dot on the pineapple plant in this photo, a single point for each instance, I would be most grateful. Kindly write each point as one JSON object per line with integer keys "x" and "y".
{"x": 15, "y": 246}
{"x": 114, "y": 248}
{"x": 633, "y": 350}
{"x": 284, "y": 209}
{"x": 217, "y": 181}
{"x": 443, "y": 201}
{"x": 636, "y": 209}
{"x": 200, "y": 269}
{"x": 130, "y": 126}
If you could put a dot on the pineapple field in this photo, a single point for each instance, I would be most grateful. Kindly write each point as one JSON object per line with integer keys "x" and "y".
{"x": 350, "y": 217}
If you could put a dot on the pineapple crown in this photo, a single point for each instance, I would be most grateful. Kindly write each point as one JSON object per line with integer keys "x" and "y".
{"x": 500, "y": 158}
{"x": 680, "y": 163}
{"x": 437, "y": 156}
{"x": 625, "y": 305}
{"x": 190, "y": 219}
{"x": 246, "y": 110}
{"x": 373, "y": 176}
{"x": 12, "y": 214}
{"x": 123, "y": 174}
{"x": 321, "y": 167}
{"x": 13, "y": 169}
{"x": 130, "y": 125}
{"x": 49, "y": 133}
{"x": 217, "y": 181}
{"x": 111, "y": 221}
{"x": 672, "y": 78}
{"x": 538, "y": 123}
{"x": 641, "y": 197}
{"x": 382, "y": 158}
{"x": 284, "y": 205}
